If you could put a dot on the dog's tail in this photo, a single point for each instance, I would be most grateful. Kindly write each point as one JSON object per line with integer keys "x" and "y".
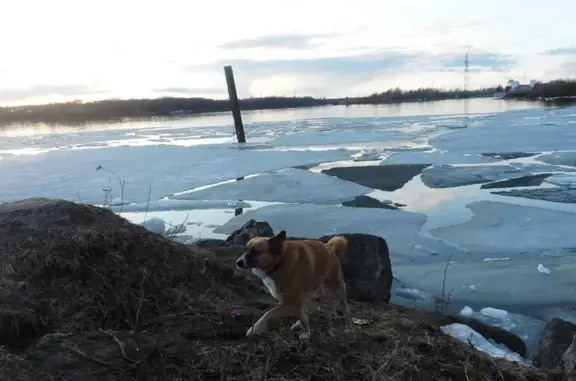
{"x": 338, "y": 245}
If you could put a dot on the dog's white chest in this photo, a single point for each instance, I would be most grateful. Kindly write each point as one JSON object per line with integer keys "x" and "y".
{"x": 268, "y": 282}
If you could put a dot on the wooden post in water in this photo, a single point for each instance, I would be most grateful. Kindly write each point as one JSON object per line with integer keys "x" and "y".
{"x": 234, "y": 104}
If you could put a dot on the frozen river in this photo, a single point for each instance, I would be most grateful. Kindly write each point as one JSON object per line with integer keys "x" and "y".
{"x": 492, "y": 194}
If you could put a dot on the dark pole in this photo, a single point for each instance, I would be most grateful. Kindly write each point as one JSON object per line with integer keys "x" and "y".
{"x": 234, "y": 104}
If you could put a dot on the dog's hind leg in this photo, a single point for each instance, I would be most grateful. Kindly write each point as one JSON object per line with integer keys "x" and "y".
{"x": 303, "y": 320}
{"x": 262, "y": 324}
{"x": 338, "y": 287}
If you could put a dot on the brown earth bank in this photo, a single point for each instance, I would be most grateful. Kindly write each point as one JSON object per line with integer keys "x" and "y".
{"x": 87, "y": 295}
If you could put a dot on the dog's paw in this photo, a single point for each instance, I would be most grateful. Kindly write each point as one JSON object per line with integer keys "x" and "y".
{"x": 251, "y": 332}
{"x": 296, "y": 326}
{"x": 304, "y": 336}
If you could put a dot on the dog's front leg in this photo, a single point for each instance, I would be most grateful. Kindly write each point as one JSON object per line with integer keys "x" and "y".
{"x": 262, "y": 324}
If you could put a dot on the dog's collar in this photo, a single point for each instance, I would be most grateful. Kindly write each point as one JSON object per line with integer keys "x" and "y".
{"x": 274, "y": 268}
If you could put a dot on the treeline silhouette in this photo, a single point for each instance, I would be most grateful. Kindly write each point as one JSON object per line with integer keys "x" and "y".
{"x": 423, "y": 94}
{"x": 79, "y": 112}
{"x": 556, "y": 88}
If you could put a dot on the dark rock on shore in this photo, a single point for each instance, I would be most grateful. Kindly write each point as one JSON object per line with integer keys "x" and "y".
{"x": 384, "y": 177}
{"x": 249, "y": 230}
{"x": 368, "y": 202}
{"x": 555, "y": 340}
{"x": 523, "y": 181}
{"x": 367, "y": 268}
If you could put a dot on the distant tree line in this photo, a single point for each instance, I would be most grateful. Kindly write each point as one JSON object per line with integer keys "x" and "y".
{"x": 423, "y": 94}
{"x": 79, "y": 112}
{"x": 556, "y": 88}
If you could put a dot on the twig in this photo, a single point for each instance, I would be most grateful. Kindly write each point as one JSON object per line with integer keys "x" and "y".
{"x": 93, "y": 359}
{"x": 444, "y": 283}
{"x": 121, "y": 345}
{"x": 178, "y": 229}
{"x": 139, "y": 302}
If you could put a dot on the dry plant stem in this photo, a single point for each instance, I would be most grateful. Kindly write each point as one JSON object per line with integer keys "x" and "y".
{"x": 442, "y": 300}
{"x": 148, "y": 201}
{"x": 93, "y": 359}
{"x": 178, "y": 229}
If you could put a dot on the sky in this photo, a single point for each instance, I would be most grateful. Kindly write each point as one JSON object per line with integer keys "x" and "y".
{"x": 62, "y": 50}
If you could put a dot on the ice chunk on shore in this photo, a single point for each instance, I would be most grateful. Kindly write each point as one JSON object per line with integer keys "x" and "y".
{"x": 494, "y": 313}
{"x": 468, "y": 335}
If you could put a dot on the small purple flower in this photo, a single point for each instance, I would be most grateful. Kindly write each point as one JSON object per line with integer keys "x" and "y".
{"x": 235, "y": 313}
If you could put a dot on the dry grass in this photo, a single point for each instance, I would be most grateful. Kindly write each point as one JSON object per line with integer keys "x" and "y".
{"x": 85, "y": 294}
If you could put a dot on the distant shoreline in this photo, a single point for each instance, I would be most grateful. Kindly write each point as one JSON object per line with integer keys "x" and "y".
{"x": 114, "y": 109}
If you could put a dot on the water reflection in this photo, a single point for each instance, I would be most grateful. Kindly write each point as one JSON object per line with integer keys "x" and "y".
{"x": 473, "y": 106}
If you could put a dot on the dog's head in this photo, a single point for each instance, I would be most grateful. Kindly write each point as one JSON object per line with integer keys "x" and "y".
{"x": 262, "y": 252}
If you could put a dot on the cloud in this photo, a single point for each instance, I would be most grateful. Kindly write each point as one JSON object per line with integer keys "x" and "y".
{"x": 362, "y": 64}
{"x": 48, "y": 91}
{"x": 284, "y": 40}
{"x": 568, "y": 51}
{"x": 200, "y": 92}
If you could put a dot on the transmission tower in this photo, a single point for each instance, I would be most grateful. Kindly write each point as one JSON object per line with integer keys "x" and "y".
{"x": 466, "y": 88}
{"x": 466, "y": 78}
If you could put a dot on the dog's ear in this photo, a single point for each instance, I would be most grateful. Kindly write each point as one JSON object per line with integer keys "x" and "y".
{"x": 276, "y": 243}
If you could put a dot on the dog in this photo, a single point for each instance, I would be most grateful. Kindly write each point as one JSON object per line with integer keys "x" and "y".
{"x": 294, "y": 272}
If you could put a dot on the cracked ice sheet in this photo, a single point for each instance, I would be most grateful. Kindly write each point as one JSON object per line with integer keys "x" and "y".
{"x": 292, "y": 185}
{"x": 506, "y": 138}
{"x": 514, "y": 282}
{"x": 435, "y": 157}
{"x": 332, "y": 137}
{"x": 399, "y": 228}
{"x": 72, "y": 174}
{"x": 498, "y": 227}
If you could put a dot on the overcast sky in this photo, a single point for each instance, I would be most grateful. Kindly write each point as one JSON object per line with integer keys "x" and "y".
{"x": 85, "y": 49}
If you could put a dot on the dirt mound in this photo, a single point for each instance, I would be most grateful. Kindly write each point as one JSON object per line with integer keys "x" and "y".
{"x": 84, "y": 294}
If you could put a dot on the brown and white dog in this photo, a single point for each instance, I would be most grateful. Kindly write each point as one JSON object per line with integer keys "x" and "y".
{"x": 293, "y": 272}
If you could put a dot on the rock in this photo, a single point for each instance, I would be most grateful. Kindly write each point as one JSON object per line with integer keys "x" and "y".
{"x": 250, "y": 229}
{"x": 563, "y": 194}
{"x": 208, "y": 242}
{"x": 368, "y": 202}
{"x": 556, "y": 339}
{"x": 384, "y": 177}
{"x": 447, "y": 176}
{"x": 366, "y": 266}
{"x": 569, "y": 360}
{"x": 523, "y": 181}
